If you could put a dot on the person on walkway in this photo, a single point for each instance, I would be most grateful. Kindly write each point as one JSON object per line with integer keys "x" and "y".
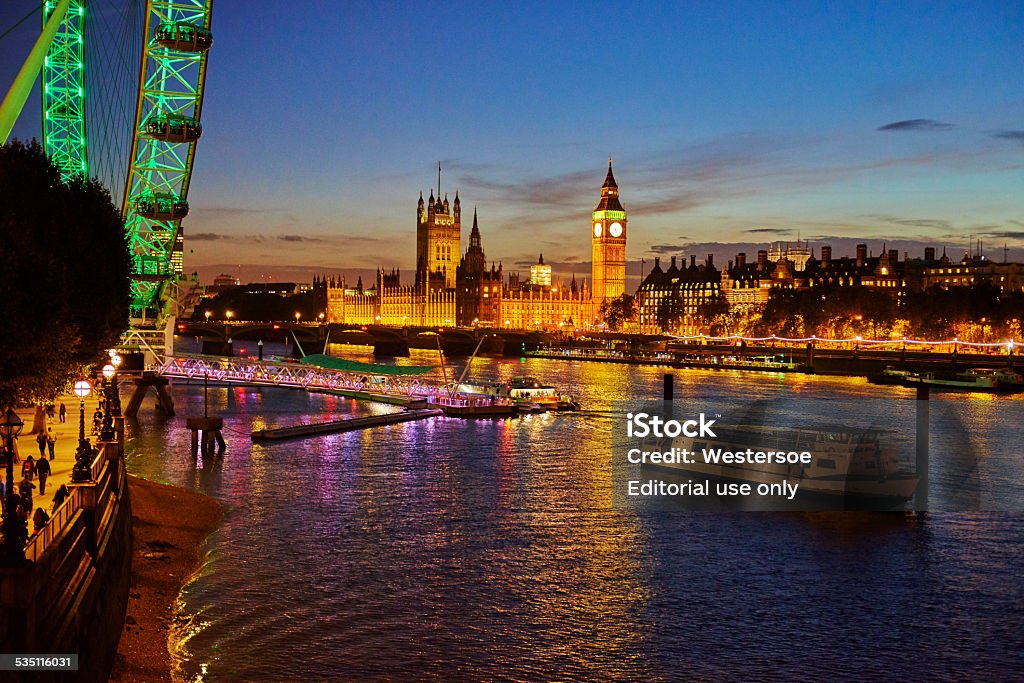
{"x": 97, "y": 421}
{"x": 28, "y": 468}
{"x": 42, "y": 471}
{"x": 25, "y": 491}
{"x": 41, "y": 442}
{"x": 63, "y": 412}
{"x": 39, "y": 520}
{"x": 51, "y": 437}
{"x": 60, "y": 496}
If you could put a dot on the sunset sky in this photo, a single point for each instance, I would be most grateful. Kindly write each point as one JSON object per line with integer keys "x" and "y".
{"x": 731, "y": 124}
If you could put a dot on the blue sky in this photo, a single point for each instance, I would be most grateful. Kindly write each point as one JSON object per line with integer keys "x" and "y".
{"x": 731, "y": 124}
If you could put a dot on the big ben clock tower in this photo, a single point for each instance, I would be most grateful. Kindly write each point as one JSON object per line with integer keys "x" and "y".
{"x": 608, "y": 239}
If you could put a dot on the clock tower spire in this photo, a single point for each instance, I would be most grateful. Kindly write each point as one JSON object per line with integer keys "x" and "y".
{"x": 608, "y": 242}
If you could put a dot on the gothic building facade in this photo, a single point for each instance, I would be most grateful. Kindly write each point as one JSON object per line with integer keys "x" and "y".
{"x": 465, "y": 291}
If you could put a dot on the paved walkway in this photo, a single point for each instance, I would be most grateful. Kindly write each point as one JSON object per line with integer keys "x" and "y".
{"x": 64, "y": 449}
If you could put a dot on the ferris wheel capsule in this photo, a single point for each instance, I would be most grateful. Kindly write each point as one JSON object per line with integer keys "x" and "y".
{"x": 183, "y": 36}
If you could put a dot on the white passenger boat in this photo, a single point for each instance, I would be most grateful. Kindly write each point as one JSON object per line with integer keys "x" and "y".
{"x": 527, "y": 393}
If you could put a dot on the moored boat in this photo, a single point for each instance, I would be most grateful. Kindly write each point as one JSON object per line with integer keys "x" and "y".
{"x": 891, "y": 375}
{"x": 972, "y": 380}
{"x": 528, "y": 393}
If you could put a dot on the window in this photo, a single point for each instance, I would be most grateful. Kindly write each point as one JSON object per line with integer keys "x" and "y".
{"x": 826, "y": 463}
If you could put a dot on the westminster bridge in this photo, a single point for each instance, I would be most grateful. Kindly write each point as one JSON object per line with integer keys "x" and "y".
{"x": 217, "y": 337}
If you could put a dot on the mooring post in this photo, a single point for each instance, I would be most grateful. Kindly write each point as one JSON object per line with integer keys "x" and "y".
{"x": 259, "y": 347}
{"x": 668, "y": 386}
{"x": 921, "y": 496}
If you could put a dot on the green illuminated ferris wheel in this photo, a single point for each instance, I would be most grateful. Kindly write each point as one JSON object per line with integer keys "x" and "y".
{"x": 64, "y": 90}
{"x": 167, "y": 125}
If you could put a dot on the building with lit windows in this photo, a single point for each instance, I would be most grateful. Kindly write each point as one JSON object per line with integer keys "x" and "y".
{"x": 671, "y": 300}
{"x": 449, "y": 290}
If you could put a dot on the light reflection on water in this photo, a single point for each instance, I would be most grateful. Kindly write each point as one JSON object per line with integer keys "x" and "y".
{"x": 487, "y": 550}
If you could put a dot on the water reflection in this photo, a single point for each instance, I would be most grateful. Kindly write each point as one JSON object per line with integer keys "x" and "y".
{"x": 488, "y": 550}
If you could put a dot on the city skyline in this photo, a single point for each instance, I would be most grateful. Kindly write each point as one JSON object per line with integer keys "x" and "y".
{"x": 731, "y": 127}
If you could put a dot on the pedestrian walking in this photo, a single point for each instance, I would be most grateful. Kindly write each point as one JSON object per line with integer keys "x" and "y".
{"x": 25, "y": 491}
{"x": 41, "y": 442}
{"x": 28, "y": 468}
{"x": 97, "y": 420}
{"x": 39, "y": 520}
{"x": 43, "y": 472}
{"x": 60, "y": 496}
{"x": 63, "y": 412}
{"x": 51, "y": 438}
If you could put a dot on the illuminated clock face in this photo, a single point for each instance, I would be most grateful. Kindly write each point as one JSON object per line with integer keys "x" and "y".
{"x": 615, "y": 230}
{"x": 597, "y": 229}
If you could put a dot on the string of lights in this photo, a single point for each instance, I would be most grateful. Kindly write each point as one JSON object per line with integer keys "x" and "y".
{"x": 814, "y": 339}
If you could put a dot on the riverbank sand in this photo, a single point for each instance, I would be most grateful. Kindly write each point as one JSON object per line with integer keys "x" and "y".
{"x": 169, "y": 525}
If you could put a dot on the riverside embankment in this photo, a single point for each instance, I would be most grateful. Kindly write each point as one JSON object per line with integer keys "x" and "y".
{"x": 169, "y": 525}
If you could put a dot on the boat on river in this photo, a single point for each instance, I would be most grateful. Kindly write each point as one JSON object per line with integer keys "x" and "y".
{"x": 527, "y": 393}
{"x": 892, "y": 376}
{"x": 847, "y": 467}
{"x": 987, "y": 380}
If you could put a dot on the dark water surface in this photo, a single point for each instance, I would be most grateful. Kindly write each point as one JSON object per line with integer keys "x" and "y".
{"x": 455, "y": 550}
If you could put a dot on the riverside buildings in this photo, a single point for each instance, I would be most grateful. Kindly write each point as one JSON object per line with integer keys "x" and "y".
{"x": 449, "y": 289}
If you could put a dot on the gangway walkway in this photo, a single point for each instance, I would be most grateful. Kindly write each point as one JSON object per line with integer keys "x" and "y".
{"x": 395, "y": 389}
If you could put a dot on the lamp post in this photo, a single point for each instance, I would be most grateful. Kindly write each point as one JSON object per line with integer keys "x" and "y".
{"x": 227, "y": 332}
{"x": 107, "y": 431}
{"x": 82, "y": 471}
{"x": 15, "y": 529}
{"x": 115, "y": 409}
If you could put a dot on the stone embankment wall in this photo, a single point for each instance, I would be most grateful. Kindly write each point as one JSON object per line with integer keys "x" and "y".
{"x": 72, "y": 594}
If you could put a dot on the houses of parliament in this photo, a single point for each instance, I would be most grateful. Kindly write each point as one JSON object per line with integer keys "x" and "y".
{"x": 461, "y": 289}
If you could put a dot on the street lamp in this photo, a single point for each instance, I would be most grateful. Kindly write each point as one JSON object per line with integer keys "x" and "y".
{"x": 15, "y": 529}
{"x": 115, "y": 409}
{"x": 107, "y": 431}
{"x": 82, "y": 471}
{"x": 297, "y": 316}
{"x": 208, "y": 313}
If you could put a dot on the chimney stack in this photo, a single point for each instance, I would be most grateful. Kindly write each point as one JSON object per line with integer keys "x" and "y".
{"x": 894, "y": 257}
{"x": 862, "y": 255}
{"x": 929, "y": 253}
{"x": 762, "y": 258}
{"x": 741, "y": 259}
{"x": 826, "y": 254}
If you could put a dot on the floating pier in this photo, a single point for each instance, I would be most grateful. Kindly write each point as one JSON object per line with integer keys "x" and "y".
{"x": 344, "y": 425}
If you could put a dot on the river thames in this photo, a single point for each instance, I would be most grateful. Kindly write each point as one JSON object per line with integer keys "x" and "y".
{"x": 490, "y": 550}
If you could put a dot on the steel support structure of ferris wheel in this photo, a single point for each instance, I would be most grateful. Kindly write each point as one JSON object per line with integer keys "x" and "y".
{"x": 63, "y": 90}
{"x": 167, "y": 127}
